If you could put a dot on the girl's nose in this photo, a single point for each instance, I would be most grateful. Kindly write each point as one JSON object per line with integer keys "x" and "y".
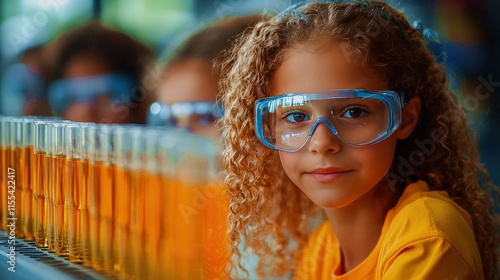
{"x": 323, "y": 140}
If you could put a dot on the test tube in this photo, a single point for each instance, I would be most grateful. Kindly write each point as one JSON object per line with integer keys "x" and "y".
{"x": 17, "y": 164}
{"x": 4, "y": 148}
{"x": 201, "y": 210}
{"x": 138, "y": 200}
{"x": 58, "y": 187}
{"x": 87, "y": 139}
{"x": 216, "y": 254}
{"x": 73, "y": 191}
{"x": 101, "y": 200}
{"x": 152, "y": 190}
{"x": 28, "y": 178}
{"x": 107, "y": 190}
{"x": 169, "y": 153}
{"x": 40, "y": 189}
{"x": 123, "y": 134}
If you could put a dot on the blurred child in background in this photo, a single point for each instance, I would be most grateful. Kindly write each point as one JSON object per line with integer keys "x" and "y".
{"x": 95, "y": 75}
{"x": 188, "y": 84}
{"x": 187, "y": 95}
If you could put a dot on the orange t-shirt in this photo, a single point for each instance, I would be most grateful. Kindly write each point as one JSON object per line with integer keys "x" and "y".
{"x": 425, "y": 236}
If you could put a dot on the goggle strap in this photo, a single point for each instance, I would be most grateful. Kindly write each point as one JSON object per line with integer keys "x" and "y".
{"x": 403, "y": 97}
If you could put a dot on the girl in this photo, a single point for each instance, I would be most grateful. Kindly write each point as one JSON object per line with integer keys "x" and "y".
{"x": 341, "y": 107}
{"x": 95, "y": 75}
{"x": 187, "y": 91}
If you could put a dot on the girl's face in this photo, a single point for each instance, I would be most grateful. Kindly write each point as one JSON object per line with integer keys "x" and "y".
{"x": 101, "y": 109}
{"x": 186, "y": 82}
{"x": 330, "y": 172}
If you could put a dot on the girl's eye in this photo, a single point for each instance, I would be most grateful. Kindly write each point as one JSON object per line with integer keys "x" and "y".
{"x": 297, "y": 117}
{"x": 206, "y": 119}
{"x": 353, "y": 113}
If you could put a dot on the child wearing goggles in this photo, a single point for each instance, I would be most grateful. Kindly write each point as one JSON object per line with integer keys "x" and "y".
{"x": 195, "y": 117}
{"x": 187, "y": 91}
{"x": 95, "y": 75}
{"x": 341, "y": 107}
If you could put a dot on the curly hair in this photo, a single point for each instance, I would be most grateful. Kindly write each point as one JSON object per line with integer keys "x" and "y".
{"x": 266, "y": 210}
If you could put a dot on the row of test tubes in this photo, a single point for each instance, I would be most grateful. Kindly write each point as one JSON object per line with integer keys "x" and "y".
{"x": 130, "y": 201}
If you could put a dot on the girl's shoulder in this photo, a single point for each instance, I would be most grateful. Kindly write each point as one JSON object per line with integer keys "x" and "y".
{"x": 424, "y": 216}
{"x": 429, "y": 222}
{"x": 430, "y": 211}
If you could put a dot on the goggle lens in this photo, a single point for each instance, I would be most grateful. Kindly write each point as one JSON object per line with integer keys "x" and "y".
{"x": 357, "y": 117}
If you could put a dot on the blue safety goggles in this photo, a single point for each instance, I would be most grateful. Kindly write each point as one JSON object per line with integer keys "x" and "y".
{"x": 193, "y": 116}
{"x": 19, "y": 78}
{"x": 64, "y": 92}
{"x": 358, "y": 117}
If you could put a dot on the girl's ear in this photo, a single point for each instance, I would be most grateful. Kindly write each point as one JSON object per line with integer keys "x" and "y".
{"x": 411, "y": 113}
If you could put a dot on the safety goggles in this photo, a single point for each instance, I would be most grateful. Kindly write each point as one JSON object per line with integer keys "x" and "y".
{"x": 192, "y": 116}
{"x": 64, "y": 92}
{"x": 357, "y": 117}
{"x": 19, "y": 78}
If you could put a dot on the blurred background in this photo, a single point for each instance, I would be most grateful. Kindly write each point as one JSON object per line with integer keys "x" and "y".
{"x": 469, "y": 30}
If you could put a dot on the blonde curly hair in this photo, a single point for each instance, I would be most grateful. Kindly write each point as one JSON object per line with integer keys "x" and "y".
{"x": 266, "y": 210}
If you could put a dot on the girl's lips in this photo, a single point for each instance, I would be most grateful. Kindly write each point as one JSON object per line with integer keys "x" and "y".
{"x": 328, "y": 174}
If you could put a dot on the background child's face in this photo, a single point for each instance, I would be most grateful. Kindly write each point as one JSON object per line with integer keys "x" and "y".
{"x": 331, "y": 173}
{"x": 189, "y": 81}
{"x": 101, "y": 109}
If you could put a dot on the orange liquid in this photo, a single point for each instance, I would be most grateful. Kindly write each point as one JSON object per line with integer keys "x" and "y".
{"x": 29, "y": 203}
{"x": 123, "y": 260}
{"x": 40, "y": 195}
{"x": 95, "y": 218}
{"x": 8, "y": 159}
{"x": 199, "y": 248}
{"x": 137, "y": 229}
{"x": 49, "y": 204}
{"x": 151, "y": 187}
{"x": 18, "y": 165}
{"x": 87, "y": 181}
{"x": 188, "y": 217}
{"x": 167, "y": 226}
{"x": 102, "y": 213}
{"x": 107, "y": 217}
{"x": 215, "y": 225}
{"x": 60, "y": 188}
{"x": 73, "y": 203}
{"x": 8, "y": 163}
